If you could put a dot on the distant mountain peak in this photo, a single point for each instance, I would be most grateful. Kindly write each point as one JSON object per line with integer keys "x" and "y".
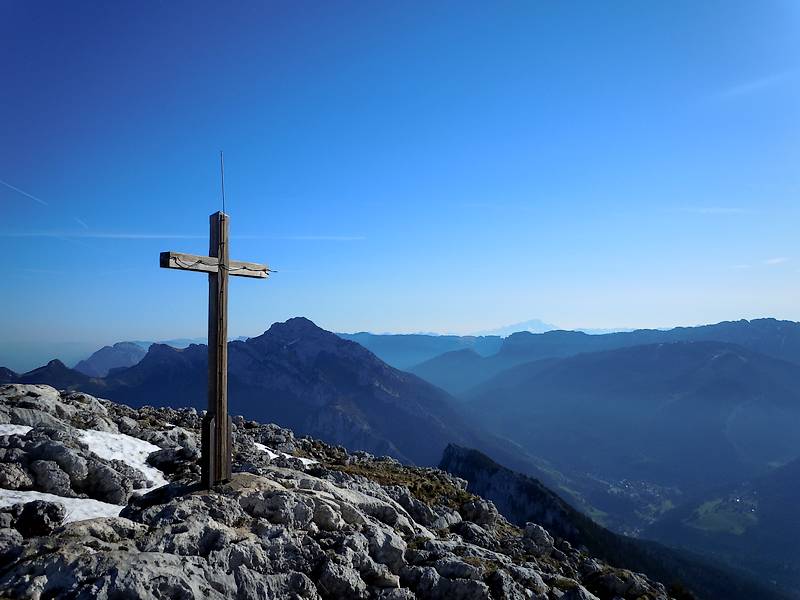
{"x": 294, "y": 325}
{"x": 7, "y": 375}
{"x": 297, "y": 329}
{"x": 122, "y": 345}
{"x": 120, "y": 355}
{"x": 156, "y": 349}
{"x": 530, "y": 326}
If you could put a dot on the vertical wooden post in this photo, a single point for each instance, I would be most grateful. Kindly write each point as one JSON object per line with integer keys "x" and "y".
{"x": 216, "y": 434}
{"x": 216, "y": 459}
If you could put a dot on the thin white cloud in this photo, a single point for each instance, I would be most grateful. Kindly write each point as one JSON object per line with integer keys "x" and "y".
{"x": 24, "y": 193}
{"x": 81, "y": 222}
{"x": 95, "y": 235}
{"x": 68, "y": 271}
{"x": 168, "y": 236}
{"x": 777, "y": 260}
{"x": 756, "y": 85}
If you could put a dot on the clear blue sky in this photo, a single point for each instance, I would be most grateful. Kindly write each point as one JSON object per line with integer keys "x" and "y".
{"x": 405, "y": 166}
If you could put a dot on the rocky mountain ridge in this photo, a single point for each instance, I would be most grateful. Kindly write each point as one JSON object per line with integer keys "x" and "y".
{"x": 309, "y": 380}
{"x": 300, "y": 519}
{"x": 460, "y": 371}
{"x": 648, "y": 412}
{"x": 405, "y": 350}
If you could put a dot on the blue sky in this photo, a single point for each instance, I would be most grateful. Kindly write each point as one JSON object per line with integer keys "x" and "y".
{"x": 406, "y": 166}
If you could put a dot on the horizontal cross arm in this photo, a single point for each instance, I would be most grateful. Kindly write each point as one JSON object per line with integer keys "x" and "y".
{"x": 189, "y": 262}
{"x": 210, "y": 264}
{"x": 239, "y": 268}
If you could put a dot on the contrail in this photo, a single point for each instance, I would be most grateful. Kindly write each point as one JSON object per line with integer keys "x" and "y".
{"x": 24, "y": 193}
{"x": 174, "y": 236}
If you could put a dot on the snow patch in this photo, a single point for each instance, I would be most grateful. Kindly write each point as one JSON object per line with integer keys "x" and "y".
{"x": 263, "y": 448}
{"x": 9, "y": 429}
{"x": 271, "y": 454}
{"x": 78, "y": 509}
{"x": 306, "y": 461}
{"x": 126, "y": 448}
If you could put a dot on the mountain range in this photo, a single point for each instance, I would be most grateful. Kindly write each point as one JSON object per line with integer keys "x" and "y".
{"x": 461, "y": 370}
{"x": 127, "y": 354}
{"x": 531, "y": 326}
{"x": 403, "y": 351}
{"x": 648, "y": 411}
{"x": 309, "y": 379}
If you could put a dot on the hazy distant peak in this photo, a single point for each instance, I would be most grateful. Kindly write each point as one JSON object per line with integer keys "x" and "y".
{"x": 531, "y": 326}
{"x": 121, "y": 354}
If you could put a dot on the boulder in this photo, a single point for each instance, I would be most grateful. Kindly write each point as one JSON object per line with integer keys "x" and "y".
{"x": 475, "y": 534}
{"x": 14, "y": 477}
{"x": 479, "y": 511}
{"x": 284, "y": 508}
{"x": 39, "y": 518}
{"x": 386, "y": 547}
{"x": 539, "y": 539}
{"x": 109, "y": 484}
{"x": 341, "y": 582}
{"x": 528, "y": 578}
{"x": 326, "y": 518}
{"x": 444, "y": 517}
{"x": 196, "y": 536}
{"x": 453, "y": 568}
{"x": 49, "y": 478}
{"x": 10, "y": 545}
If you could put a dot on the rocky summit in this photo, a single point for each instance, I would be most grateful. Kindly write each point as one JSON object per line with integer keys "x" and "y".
{"x": 99, "y": 500}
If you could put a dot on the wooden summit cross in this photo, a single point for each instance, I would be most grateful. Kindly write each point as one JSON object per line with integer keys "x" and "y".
{"x": 216, "y": 433}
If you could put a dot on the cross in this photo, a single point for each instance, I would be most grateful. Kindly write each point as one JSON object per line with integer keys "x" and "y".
{"x": 216, "y": 432}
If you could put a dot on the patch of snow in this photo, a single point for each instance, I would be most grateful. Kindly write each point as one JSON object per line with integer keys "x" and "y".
{"x": 126, "y": 448}
{"x": 263, "y": 448}
{"x": 78, "y": 509}
{"x": 9, "y": 429}
{"x": 272, "y": 454}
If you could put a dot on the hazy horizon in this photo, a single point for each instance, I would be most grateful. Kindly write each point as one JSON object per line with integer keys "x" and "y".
{"x": 24, "y": 355}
